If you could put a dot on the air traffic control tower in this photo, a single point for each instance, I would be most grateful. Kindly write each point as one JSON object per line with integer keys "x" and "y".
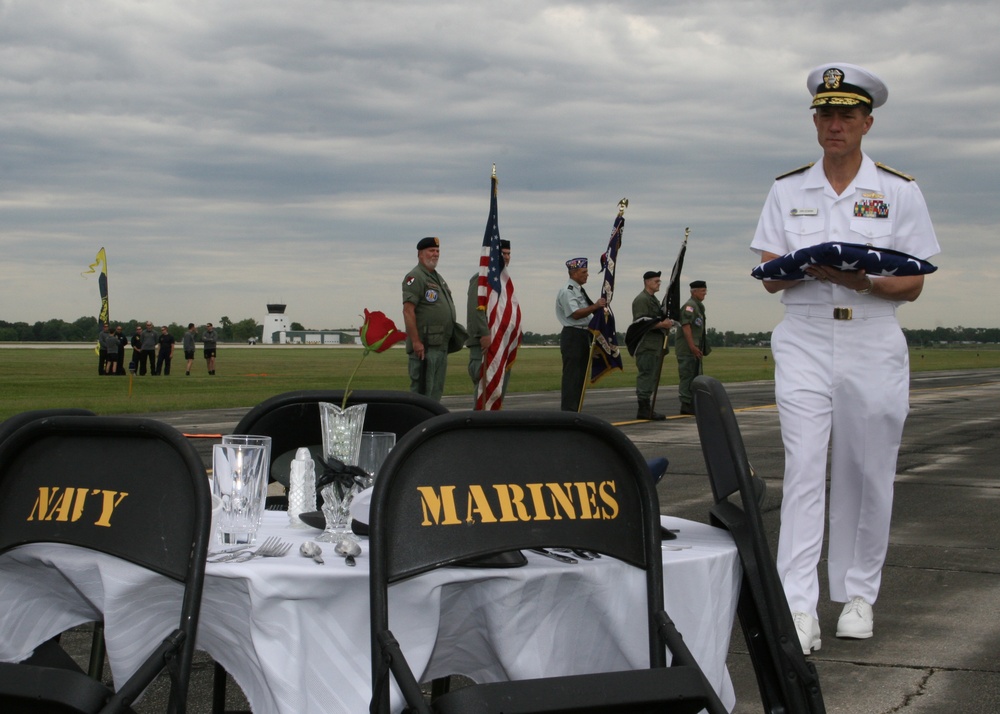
{"x": 274, "y": 324}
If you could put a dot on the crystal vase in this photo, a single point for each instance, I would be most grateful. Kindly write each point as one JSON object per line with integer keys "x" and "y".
{"x": 342, "y": 429}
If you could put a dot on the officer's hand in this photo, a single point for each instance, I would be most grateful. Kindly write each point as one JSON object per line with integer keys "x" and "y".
{"x": 601, "y": 302}
{"x": 418, "y": 349}
{"x": 484, "y": 343}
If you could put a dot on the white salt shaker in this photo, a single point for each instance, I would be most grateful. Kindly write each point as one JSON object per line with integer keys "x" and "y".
{"x": 301, "y": 487}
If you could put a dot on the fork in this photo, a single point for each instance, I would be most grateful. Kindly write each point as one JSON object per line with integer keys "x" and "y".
{"x": 231, "y": 556}
{"x": 274, "y": 550}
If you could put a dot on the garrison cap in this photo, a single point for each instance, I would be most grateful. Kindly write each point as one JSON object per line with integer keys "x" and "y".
{"x": 840, "y": 84}
{"x": 698, "y": 284}
{"x": 431, "y": 242}
{"x": 576, "y": 263}
{"x": 651, "y": 274}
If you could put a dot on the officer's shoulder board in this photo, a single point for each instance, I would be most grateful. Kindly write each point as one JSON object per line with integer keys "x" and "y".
{"x": 795, "y": 171}
{"x": 894, "y": 172}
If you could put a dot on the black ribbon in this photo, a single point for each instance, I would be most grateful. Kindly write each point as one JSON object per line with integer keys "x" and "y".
{"x": 341, "y": 475}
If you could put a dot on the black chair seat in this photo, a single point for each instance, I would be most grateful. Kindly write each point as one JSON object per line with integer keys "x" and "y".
{"x": 632, "y": 692}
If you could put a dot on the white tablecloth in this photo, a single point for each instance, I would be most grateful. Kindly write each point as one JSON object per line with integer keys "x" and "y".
{"x": 295, "y": 635}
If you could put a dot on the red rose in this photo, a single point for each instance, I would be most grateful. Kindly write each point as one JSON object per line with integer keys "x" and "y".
{"x": 379, "y": 333}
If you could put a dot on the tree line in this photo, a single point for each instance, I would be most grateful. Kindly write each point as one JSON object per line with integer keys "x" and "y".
{"x": 85, "y": 329}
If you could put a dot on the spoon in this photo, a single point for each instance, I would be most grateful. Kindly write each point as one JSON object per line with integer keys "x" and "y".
{"x": 347, "y": 547}
{"x": 312, "y": 550}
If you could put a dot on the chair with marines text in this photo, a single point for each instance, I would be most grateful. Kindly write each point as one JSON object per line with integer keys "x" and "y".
{"x": 459, "y": 456}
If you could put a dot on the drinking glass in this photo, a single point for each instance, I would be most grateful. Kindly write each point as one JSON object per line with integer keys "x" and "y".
{"x": 375, "y": 446}
{"x": 239, "y": 478}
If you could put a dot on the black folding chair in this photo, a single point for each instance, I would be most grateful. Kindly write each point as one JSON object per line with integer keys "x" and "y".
{"x": 787, "y": 681}
{"x": 8, "y": 427}
{"x": 292, "y": 420}
{"x": 456, "y": 452}
{"x": 161, "y": 523}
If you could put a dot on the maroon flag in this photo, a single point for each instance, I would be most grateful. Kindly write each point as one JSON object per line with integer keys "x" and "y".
{"x": 503, "y": 314}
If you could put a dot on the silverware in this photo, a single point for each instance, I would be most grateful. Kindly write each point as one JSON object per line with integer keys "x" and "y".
{"x": 312, "y": 550}
{"x": 349, "y": 548}
{"x": 273, "y": 547}
{"x": 579, "y": 552}
{"x": 555, "y": 556}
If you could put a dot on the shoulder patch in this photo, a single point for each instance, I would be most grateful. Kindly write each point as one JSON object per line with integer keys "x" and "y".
{"x": 795, "y": 171}
{"x": 894, "y": 172}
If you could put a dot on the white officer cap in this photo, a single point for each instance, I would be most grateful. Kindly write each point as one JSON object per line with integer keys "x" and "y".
{"x": 840, "y": 84}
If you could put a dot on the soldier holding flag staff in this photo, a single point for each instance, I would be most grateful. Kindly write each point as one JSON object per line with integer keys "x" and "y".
{"x": 649, "y": 351}
{"x": 573, "y": 310}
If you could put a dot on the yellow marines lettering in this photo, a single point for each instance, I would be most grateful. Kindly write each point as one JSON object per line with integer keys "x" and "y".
{"x": 66, "y": 504}
{"x": 513, "y": 503}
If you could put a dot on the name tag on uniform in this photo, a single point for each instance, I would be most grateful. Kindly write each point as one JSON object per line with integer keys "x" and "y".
{"x": 804, "y": 212}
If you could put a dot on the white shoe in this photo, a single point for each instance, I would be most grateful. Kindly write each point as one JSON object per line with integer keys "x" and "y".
{"x": 857, "y": 620}
{"x": 807, "y": 628}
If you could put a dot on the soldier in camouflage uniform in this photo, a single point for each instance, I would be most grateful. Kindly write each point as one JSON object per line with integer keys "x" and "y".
{"x": 649, "y": 353}
{"x": 691, "y": 346}
{"x": 429, "y": 317}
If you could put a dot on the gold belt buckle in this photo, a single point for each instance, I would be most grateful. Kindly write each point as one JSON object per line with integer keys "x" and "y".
{"x": 842, "y": 313}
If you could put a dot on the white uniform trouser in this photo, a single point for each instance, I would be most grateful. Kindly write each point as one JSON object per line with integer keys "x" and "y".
{"x": 842, "y": 383}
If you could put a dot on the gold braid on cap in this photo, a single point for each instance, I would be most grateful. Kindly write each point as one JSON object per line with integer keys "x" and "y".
{"x": 849, "y": 99}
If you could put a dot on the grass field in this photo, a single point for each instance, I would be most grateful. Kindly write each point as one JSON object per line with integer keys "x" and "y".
{"x": 36, "y": 378}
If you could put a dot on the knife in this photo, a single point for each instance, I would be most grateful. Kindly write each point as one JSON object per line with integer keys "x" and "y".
{"x": 555, "y": 556}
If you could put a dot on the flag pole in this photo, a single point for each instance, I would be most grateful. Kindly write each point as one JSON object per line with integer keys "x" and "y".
{"x": 481, "y": 385}
{"x": 666, "y": 338}
{"x": 622, "y": 205}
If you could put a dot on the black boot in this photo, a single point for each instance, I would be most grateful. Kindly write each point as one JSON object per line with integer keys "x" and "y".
{"x": 646, "y": 412}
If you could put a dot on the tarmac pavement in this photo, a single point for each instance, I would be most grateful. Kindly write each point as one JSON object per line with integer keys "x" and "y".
{"x": 937, "y": 620}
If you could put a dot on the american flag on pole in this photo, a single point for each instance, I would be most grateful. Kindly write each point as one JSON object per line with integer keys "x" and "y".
{"x": 606, "y": 355}
{"x": 503, "y": 314}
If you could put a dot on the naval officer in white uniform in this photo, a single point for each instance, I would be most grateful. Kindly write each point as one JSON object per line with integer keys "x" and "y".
{"x": 841, "y": 361}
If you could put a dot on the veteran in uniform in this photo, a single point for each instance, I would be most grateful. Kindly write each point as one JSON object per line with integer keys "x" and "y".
{"x": 429, "y": 318}
{"x": 478, "y": 326}
{"x": 691, "y": 346}
{"x": 573, "y": 310}
{"x": 841, "y": 361}
{"x": 649, "y": 352}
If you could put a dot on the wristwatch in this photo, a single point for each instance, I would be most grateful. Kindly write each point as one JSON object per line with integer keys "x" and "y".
{"x": 866, "y": 290}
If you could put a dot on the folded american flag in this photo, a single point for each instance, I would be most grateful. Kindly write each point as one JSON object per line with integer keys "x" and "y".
{"x": 845, "y": 256}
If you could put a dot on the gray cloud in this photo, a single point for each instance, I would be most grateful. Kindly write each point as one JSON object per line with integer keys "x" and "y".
{"x": 228, "y": 154}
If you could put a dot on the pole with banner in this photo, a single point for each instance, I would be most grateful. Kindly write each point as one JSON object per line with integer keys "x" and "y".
{"x": 605, "y": 355}
{"x": 670, "y": 307}
{"x": 102, "y": 286}
{"x": 496, "y": 297}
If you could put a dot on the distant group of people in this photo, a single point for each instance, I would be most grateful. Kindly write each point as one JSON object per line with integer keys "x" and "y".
{"x": 152, "y": 352}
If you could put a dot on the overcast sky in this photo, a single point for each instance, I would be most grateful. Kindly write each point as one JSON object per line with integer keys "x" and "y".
{"x": 228, "y": 154}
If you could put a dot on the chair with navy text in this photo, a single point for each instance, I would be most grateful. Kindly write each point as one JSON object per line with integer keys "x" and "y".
{"x": 159, "y": 522}
{"x": 493, "y": 452}
{"x": 787, "y": 681}
{"x": 8, "y": 427}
